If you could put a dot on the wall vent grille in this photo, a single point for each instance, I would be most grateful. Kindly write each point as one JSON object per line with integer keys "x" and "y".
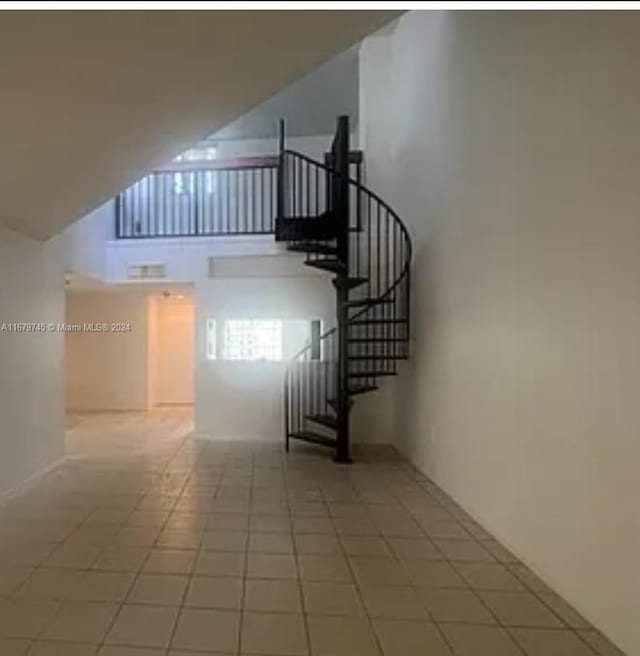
{"x": 146, "y": 271}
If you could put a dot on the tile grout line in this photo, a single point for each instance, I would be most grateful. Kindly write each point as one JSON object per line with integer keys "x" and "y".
{"x": 245, "y": 569}
{"x": 356, "y": 585}
{"x": 188, "y": 576}
{"x": 302, "y": 600}
{"x": 140, "y": 570}
{"x": 468, "y": 586}
{"x": 526, "y": 585}
{"x": 334, "y": 490}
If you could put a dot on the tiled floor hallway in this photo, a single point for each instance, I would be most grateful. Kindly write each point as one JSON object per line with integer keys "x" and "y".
{"x": 149, "y": 543}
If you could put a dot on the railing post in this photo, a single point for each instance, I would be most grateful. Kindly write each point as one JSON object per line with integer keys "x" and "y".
{"x": 198, "y": 193}
{"x": 281, "y": 173}
{"x": 118, "y": 216}
{"x": 340, "y": 207}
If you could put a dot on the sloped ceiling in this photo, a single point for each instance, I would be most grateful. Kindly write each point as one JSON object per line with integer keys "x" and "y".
{"x": 91, "y": 101}
{"x": 311, "y": 104}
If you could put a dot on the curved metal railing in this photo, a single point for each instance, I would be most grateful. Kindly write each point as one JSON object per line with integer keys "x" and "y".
{"x": 379, "y": 272}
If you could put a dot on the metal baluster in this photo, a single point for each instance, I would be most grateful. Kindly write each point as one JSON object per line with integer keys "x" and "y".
{"x": 216, "y": 208}
{"x": 250, "y": 196}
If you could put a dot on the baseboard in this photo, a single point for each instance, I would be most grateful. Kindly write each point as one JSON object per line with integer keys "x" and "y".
{"x": 29, "y": 483}
{"x": 97, "y": 411}
{"x": 186, "y": 404}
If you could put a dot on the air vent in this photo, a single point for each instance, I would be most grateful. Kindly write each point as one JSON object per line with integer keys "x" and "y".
{"x": 146, "y": 271}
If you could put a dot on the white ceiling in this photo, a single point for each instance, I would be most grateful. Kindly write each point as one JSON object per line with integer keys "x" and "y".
{"x": 91, "y": 101}
{"x": 310, "y": 105}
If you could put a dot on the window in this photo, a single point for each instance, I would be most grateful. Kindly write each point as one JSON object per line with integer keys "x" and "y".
{"x": 185, "y": 182}
{"x": 266, "y": 340}
{"x": 201, "y": 152}
{"x": 252, "y": 339}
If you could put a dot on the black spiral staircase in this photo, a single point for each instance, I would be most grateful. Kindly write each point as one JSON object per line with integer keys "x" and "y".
{"x": 346, "y": 229}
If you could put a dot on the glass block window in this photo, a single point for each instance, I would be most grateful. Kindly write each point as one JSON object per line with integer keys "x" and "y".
{"x": 252, "y": 339}
{"x": 211, "y": 339}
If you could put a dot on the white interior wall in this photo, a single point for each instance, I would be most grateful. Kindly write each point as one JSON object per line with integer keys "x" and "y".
{"x": 31, "y": 363}
{"x": 185, "y": 260}
{"x": 509, "y": 143}
{"x": 107, "y": 370}
{"x": 314, "y": 146}
{"x": 373, "y": 416}
{"x": 244, "y": 399}
{"x": 85, "y": 242}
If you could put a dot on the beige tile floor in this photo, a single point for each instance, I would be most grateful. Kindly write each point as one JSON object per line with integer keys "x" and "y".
{"x": 147, "y": 542}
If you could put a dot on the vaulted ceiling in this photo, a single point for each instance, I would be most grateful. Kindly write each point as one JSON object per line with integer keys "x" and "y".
{"x": 311, "y": 104}
{"x": 91, "y": 101}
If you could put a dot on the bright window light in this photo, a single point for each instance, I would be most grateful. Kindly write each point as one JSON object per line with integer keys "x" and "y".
{"x": 211, "y": 339}
{"x": 266, "y": 340}
{"x": 185, "y": 182}
{"x": 252, "y": 339}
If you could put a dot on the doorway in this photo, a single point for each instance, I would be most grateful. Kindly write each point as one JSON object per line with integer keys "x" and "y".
{"x": 171, "y": 350}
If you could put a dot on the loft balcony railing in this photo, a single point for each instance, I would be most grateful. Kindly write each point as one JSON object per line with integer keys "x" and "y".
{"x": 201, "y": 198}
{"x": 208, "y": 198}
